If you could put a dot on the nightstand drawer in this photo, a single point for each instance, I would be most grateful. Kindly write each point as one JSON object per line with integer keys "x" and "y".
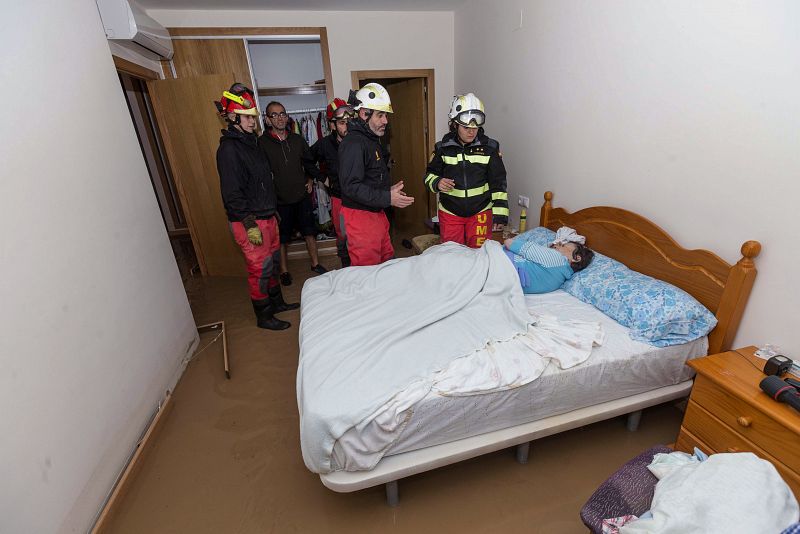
{"x": 702, "y": 428}
{"x": 687, "y": 441}
{"x": 747, "y": 421}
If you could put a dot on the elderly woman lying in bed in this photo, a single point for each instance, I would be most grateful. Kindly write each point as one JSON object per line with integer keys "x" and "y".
{"x": 544, "y": 269}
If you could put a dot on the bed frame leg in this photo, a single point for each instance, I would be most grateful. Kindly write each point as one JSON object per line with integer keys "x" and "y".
{"x": 633, "y": 420}
{"x": 392, "y": 493}
{"x": 522, "y": 452}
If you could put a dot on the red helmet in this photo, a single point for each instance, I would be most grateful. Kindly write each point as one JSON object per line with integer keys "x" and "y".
{"x": 238, "y": 99}
{"x": 338, "y": 108}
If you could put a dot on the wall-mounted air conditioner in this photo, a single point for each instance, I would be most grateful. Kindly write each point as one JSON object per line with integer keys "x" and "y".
{"x": 128, "y": 24}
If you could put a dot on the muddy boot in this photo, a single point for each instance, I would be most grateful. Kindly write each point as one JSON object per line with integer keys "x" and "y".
{"x": 264, "y": 316}
{"x": 278, "y": 304}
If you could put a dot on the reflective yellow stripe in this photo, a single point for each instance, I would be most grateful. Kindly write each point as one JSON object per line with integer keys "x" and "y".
{"x": 453, "y": 160}
{"x": 430, "y": 178}
{"x": 474, "y": 192}
{"x": 499, "y": 211}
{"x": 460, "y": 193}
{"x": 500, "y": 196}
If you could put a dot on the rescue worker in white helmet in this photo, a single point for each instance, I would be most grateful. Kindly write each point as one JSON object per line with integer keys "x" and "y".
{"x": 466, "y": 169}
{"x": 364, "y": 177}
{"x": 326, "y": 153}
{"x": 250, "y": 203}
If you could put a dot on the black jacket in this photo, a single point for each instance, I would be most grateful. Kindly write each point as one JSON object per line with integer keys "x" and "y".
{"x": 290, "y": 160}
{"x": 326, "y": 152}
{"x": 245, "y": 177}
{"x": 363, "y": 174}
{"x": 479, "y": 173}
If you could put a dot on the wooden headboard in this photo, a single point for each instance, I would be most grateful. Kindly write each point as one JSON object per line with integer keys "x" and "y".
{"x": 646, "y": 248}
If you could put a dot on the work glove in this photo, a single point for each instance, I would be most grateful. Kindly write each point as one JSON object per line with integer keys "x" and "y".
{"x": 254, "y": 236}
{"x": 253, "y": 233}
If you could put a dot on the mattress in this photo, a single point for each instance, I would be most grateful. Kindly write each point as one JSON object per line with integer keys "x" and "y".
{"x": 620, "y": 368}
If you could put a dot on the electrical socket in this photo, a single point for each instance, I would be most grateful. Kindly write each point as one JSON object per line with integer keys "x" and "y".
{"x": 524, "y": 201}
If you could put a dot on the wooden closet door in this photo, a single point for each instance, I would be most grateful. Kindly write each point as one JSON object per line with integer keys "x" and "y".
{"x": 190, "y": 127}
{"x": 201, "y": 57}
{"x": 409, "y": 151}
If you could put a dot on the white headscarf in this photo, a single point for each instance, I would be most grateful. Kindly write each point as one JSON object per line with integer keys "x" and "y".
{"x": 565, "y": 235}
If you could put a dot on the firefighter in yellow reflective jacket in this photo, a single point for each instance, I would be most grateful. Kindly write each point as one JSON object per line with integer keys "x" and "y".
{"x": 466, "y": 169}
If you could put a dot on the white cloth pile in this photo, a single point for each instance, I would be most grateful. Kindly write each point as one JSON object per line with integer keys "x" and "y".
{"x": 736, "y": 493}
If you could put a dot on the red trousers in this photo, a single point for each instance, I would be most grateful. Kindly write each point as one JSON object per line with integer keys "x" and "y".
{"x": 367, "y": 232}
{"x": 471, "y": 231}
{"x": 336, "y": 210}
{"x": 263, "y": 261}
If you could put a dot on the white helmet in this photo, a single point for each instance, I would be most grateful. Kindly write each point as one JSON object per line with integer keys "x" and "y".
{"x": 374, "y": 96}
{"x": 467, "y": 110}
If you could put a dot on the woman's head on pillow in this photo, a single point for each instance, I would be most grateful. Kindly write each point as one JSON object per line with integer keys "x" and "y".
{"x": 578, "y": 254}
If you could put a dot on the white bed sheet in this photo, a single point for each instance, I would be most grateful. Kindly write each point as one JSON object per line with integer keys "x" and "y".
{"x": 620, "y": 368}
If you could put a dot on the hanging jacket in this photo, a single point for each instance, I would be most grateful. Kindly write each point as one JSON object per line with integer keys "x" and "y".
{"x": 290, "y": 160}
{"x": 479, "y": 174}
{"x": 326, "y": 153}
{"x": 363, "y": 174}
{"x": 245, "y": 177}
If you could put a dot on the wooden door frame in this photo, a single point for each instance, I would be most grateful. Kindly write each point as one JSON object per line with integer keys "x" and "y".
{"x": 251, "y": 33}
{"x": 428, "y": 74}
{"x": 357, "y": 75}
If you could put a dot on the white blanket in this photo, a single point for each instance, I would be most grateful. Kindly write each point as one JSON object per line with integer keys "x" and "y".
{"x": 726, "y": 494}
{"x": 376, "y": 340}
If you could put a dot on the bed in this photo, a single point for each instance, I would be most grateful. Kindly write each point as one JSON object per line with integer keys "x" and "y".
{"x": 447, "y": 430}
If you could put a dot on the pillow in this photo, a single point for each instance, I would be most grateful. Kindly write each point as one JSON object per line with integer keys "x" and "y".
{"x": 539, "y": 235}
{"x": 656, "y": 312}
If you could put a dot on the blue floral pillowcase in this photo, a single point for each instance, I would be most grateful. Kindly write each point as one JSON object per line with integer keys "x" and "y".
{"x": 656, "y": 312}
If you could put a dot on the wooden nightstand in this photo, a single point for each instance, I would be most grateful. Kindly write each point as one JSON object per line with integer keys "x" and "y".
{"x": 728, "y": 412}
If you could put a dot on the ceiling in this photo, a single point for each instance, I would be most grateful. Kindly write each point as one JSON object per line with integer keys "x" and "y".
{"x": 307, "y": 5}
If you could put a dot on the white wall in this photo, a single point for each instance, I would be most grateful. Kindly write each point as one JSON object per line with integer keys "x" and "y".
{"x": 94, "y": 317}
{"x": 686, "y": 112}
{"x": 357, "y": 40}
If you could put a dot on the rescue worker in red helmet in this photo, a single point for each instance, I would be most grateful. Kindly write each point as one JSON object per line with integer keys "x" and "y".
{"x": 364, "y": 177}
{"x": 466, "y": 169}
{"x": 250, "y": 203}
{"x": 326, "y": 153}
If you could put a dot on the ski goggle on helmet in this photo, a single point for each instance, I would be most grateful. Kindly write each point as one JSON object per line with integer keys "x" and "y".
{"x": 467, "y": 110}
{"x": 339, "y": 109}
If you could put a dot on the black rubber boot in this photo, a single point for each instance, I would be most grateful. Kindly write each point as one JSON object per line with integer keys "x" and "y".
{"x": 341, "y": 251}
{"x": 264, "y": 316}
{"x": 278, "y": 304}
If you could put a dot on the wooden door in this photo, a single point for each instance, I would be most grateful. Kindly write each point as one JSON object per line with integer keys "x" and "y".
{"x": 409, "y": 151}
{"x": 190, "y": 128}
{"x": 200, "y": 57}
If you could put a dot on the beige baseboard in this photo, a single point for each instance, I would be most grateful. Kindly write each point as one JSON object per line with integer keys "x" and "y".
{"x": 121, "y": 488}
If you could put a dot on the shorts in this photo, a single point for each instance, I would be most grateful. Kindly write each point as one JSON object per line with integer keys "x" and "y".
{"x": 297, "y": 216}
